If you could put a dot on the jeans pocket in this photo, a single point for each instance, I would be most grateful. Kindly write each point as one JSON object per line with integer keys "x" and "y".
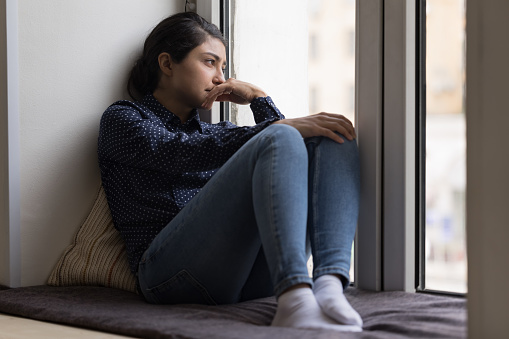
{"x": 182, "y": 288}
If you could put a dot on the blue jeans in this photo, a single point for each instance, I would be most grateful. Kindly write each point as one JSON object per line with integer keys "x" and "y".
{"x": 244, "y": 235}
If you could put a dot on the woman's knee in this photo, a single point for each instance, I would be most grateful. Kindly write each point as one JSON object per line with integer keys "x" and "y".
{"x": 349, "y": 146}
{"x": 348, "y": 149}
{"x": 282, "y": 131}
{"x": 286, "y": 137}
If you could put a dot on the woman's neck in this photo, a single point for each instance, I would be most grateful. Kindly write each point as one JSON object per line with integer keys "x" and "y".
{"x": 174, "y": 106}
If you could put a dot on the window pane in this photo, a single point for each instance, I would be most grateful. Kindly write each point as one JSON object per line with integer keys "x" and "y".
{"x": 331, "y": 65}
{"x": 301, "y": 53}
{"x": 445, "y": 247}
{"x": 331, "y": 68}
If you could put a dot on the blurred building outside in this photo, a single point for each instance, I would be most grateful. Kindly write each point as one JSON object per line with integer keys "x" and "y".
{"x": 446, "y": 262}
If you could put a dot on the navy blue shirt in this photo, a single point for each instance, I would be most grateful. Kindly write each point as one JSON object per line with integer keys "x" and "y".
{"x": 152, "y": 164}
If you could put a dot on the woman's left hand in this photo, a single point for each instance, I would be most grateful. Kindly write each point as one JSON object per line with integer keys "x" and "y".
{"x": 322, "y": 124}
{"x": 235, "y": 91}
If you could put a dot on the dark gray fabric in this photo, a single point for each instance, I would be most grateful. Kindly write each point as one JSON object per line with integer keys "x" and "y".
{"x": 386, "y": 314}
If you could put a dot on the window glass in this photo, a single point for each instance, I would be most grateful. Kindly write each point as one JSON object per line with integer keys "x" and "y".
{"x": 301, "y": 53}
{"x": 445, "y": 246}
{"x": 331, "y": 67}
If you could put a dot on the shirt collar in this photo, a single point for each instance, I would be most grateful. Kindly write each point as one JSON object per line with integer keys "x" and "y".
{"x": 168, "y": 117}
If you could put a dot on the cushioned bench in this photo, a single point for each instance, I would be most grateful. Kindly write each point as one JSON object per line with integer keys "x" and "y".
{"x": 385, "y": 314}
{"x": 92, "y": 287}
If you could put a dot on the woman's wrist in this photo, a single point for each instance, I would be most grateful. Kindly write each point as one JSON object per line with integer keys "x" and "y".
{"x": 258, "y": 94}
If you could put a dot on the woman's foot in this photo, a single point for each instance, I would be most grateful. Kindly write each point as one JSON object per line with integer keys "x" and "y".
{"x": 298, "y": 308}
{"x": 328, "y": 291}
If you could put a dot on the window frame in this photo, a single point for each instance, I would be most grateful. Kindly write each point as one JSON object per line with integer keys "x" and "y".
{"x": 421, "y": 156}
{"x": 399, "y": 145}
{"x": 369, "y": 123}
{"x": 386, "y": 123}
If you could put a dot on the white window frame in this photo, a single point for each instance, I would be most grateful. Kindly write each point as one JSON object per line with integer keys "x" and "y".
{"x": 369, "y": 123}
{"x": 400, "y": 185}
{"x": 386, "y": 121}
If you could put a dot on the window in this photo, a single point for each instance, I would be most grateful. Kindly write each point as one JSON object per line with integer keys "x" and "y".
{"x": 445, "y": 266}
{"x": 383, "y": 90}
{"x": 302, "y": 54}
{"x": 331, "y": 67}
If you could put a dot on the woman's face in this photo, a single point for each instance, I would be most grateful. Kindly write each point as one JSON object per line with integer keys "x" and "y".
{"x": 198, "y": 73}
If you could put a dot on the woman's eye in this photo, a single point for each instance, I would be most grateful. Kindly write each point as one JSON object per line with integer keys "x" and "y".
{"x": 210, "y": 61}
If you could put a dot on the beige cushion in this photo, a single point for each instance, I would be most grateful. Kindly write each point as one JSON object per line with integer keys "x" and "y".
{"x": 97, "y": 255}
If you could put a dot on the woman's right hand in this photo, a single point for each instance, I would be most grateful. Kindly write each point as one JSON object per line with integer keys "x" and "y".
{"x": 322, "y": 124}
{"x": 235, "y": 91}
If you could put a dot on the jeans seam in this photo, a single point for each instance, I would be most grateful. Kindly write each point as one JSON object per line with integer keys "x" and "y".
{"x": 273, "y": 218}
{"x": 315, "y": 220}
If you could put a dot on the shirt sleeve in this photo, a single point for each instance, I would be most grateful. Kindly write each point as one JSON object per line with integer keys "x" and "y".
{"x": 263, "y": 108}
{"x": 129, "y": 138}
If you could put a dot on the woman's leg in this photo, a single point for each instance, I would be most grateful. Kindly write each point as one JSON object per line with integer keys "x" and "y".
{"x": 333, "y": 204}
{"x": 207, "y": 253}
{"x": 258, "y": 283}
{"x": 332, "y": 220}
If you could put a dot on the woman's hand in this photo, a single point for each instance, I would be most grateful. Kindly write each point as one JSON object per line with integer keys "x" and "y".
{"x": 322, "y": 124}
{"x": 235, "y": 91}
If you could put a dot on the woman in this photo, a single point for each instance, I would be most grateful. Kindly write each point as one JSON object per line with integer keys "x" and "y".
{"x": 216, "y": 213}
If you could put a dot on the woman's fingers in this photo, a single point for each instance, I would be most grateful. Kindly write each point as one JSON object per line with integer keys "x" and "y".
{"x": 216, "y": 93}
{"x": 330, "y": 134}
{"x": 235, "y": 91}
{"x": 337, "y": 123}
{"x": 323, "y": 124}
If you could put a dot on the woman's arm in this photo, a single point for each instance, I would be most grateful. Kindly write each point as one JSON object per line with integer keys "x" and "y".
{"x": 233, "y": 90}
{"x": 322, "y": 124}
{"x": 129, "y": 138}
{"x": 243, "y": 93}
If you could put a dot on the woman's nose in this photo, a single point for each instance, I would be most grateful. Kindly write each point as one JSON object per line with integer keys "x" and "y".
{"x": 219, "y": 78}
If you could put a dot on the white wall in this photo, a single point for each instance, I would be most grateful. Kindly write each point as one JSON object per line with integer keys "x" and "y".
{"x": 487, "y": 168}
{"x": 270, "y": 50}
{"x": 10, "y": 260}
{"x": 74, "y": 57}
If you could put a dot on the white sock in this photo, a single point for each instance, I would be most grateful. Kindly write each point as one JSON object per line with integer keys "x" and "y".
{"x": 298, "y": 308}
{"x": 328, "y": 291}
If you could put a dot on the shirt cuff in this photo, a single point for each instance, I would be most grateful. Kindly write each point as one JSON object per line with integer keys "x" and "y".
{"x": 263, "y": 108}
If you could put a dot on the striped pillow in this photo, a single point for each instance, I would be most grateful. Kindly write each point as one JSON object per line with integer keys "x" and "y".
{"x": 97, "y": 255}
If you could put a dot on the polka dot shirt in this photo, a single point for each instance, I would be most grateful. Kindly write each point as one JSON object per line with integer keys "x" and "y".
{"x": 152, "y": 165}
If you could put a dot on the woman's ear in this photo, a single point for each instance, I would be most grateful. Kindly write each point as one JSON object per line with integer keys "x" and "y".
{"x": 165, "y": 63}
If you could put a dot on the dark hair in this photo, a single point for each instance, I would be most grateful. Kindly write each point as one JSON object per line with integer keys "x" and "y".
{"x": 176, "y": 35}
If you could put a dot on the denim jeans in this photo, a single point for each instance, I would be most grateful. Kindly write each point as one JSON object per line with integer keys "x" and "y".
{"x": 244, "y": 235}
